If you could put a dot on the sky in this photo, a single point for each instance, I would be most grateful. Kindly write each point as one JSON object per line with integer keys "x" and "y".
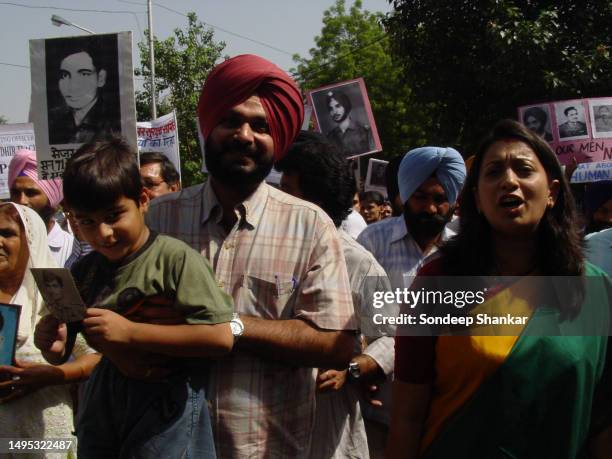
{"x": 274, "y": 29}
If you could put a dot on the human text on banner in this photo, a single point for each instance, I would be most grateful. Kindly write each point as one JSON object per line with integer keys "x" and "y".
{"x": 13, "y": 137}
{"x": 161, "y": 135}
{"x": 82, "y": 91}
{"x": 578, "y": 129}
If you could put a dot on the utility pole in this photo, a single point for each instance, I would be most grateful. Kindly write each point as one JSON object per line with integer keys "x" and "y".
{"x": 152, "y": 59}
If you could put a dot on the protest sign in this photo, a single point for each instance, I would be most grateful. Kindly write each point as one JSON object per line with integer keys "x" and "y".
{"x": 375, "y": 177}
{"x": 82, "y": 90}
{"x": 592, "y": 172}
{"x": 579, "y": 129}
{"x": 343, "y": 114}
{"x": 161, "y": 135}
{"x": 13, "y": 137}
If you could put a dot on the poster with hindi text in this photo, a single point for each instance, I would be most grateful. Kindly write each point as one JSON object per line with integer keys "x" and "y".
{"x": 161, "y": 136}
{"x": 13, "y": 137}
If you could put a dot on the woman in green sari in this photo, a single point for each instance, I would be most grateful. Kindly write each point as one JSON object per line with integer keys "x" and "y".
{"x": 544, "y": 392}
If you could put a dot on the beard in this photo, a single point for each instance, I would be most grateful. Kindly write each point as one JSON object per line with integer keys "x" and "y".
{"x": 226, "y": 164}
{"x": 424, "y": 225}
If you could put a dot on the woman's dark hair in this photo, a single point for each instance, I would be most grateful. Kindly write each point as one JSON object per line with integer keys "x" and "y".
{"x": 559, "y": 245}
{"x": 99, "y": 174}
{"x": 325, "y": 176}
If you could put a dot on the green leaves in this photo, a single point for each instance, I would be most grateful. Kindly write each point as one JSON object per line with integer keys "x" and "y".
{"x": 475, "y": 62}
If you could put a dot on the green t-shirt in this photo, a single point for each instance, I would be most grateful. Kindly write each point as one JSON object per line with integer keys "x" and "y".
{"x": 163, "y": 268}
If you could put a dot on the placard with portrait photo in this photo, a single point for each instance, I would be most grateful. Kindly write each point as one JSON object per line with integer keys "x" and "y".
{"x": 9, "y": 326}
{"x": 581, "y": 128}
{"x": 82, "y": 90}
{"x": 376, "y": 179}
{"x": 60, "y": 293}
{"x": 343, "y": 114}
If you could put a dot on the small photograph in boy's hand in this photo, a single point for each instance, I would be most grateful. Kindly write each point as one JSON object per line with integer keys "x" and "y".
{"x": 60, "y": 293}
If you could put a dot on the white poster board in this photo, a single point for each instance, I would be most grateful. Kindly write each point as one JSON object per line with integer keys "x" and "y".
{"x": 161, "y": 135}
{"x": 82, "y": 90}
{"x": 13, "y": 137}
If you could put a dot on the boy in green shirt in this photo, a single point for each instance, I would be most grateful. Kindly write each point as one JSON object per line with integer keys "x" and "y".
{"x": 132, "y": 266}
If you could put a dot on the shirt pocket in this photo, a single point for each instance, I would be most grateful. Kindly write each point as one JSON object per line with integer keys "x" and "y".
{"x": 267, "y": 297}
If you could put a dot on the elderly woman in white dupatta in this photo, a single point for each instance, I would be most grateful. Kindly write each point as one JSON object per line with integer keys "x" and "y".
{"x": 35, "y": 397}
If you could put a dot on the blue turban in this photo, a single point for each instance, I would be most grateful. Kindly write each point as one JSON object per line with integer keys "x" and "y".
{"x": 421, "y": 163}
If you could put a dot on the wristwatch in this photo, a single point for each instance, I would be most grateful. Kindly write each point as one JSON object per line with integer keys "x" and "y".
{"x": 237, "y": 326}
{"x": 354, "y": 372}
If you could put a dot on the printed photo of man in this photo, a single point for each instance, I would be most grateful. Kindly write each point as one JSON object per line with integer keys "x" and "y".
{"x": 574, "y": 126}
{"x": 352, "y": 137}
{"x": 603, "y": 118}
{"x": 536, "y": 120}
{"x": 82, "y": 92}
{"x": 343, "y": 114}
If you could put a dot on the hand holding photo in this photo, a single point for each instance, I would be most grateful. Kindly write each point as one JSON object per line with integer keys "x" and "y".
{"x": 60, "y": 293}
{"x": 9, "y": 324}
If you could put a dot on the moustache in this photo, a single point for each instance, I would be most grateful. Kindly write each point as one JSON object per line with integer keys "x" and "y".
{"x": 429, "y": 224}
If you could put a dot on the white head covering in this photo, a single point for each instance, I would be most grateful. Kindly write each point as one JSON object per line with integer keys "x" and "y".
{"x": 28, "y": 296}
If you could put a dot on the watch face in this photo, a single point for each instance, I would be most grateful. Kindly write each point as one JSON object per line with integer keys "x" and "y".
{"x": 236, "y": 327}
{"x": 354, "y": 369}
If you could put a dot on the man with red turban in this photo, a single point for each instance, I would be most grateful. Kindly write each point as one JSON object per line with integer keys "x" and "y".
{"x": 43, "y": 196}
{"x": 278, "y": 257}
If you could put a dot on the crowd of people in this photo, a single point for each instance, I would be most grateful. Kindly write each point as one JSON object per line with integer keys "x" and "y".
{"x": 234, "y": 319}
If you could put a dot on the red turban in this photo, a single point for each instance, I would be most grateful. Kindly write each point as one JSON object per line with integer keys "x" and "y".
{"x": 235, "y": 80}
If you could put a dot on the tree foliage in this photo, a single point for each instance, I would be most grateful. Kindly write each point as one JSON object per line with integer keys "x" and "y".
{"x": 354, "y": 44}
{"x": 3, "y": 119}
{"x": 182, "y": 63}
{"x": 477, "y": 61}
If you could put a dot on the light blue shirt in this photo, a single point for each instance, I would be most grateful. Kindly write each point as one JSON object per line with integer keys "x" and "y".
{"x": 599, "y": 249}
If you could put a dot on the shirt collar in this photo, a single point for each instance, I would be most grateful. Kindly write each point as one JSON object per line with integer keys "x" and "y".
{"x": 55, "y": 237}
{"x": 398, "y": 230}
{"x": 250, "y": 210}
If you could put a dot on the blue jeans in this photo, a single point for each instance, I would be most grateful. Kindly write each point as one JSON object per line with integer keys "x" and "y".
{"x": 126, "y": 418}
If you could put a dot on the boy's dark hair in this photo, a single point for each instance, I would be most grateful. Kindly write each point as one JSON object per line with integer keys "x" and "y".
{"x": 168, "y": 171}
{"x": 325, "y": 176}
{"x": 373, "y": 196}
{"x": 99, "y": 174}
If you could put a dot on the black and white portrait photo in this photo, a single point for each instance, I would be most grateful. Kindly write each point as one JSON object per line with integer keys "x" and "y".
{"x": 601, "y": 117}
{"x": 82, "y": 88}
{"x": 537, "y": 119}
{"x": 376, "y": 178}
{"x": 60, "y": 293}
{"x": 571, "y": 120}
{"x": 343, "y": 114}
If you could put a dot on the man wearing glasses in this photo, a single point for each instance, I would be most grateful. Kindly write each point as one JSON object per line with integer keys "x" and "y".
{"x": 159, "y": 176}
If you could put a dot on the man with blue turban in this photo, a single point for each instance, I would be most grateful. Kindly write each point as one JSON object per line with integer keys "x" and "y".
{"x": 430, "y": 180}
